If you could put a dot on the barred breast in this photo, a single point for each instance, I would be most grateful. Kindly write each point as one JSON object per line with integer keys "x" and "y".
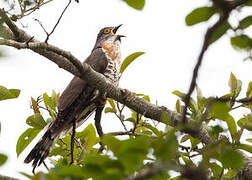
{"x": 113, "y": 54}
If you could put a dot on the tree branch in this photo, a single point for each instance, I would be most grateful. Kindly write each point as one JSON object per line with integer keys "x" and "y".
{"x": 71, "y": 64}
{"x": 226, "y": 7}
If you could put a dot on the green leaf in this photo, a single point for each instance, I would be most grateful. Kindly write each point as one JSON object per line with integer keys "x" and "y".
{"x": 112, "y": 143}
{"x": 216, "y": 169}
{"x": 231, "y": 126}
{"x": 235, "y": 162}
{"x": 185, "y": 138}
{"x": 154, "y": 130}
{"x": 201, "y": 100}
{"x": 102, "y": 167}
{"x": 3, "y": 159}
{"x": 186, "y": 160}
{"x": 136, "y": 4}
{"x": 220, "y": 31}
{"x": 133, "y": 152}
{"x": 70, "y": 172}
{"x": 221, "y": 111}
{"x": 129, "y": 59}
{"x": 235, "y": 85}
{"x": 249, "y": 140}
{"x": 232, "y": 82}
{"x": 249, "y": 90}
{"x": 246, "y": 22}
{"x": 49, "y": 102}
{"x": 165, "y": 148}
{"x": 245, "y": 147}
{"x": 178, "y": 106}
{"x": 25, "y": 139}
{"x": 214, "y": 131}
{"x": 110, "y": 110}
{"x": 242, "y": 42}
{"x": 166, "y": 118}
{"x": 179, "y": 94}
{"x": 231, "y": 173}
{"x": 8, "y": 93}
{"x": 35, "y": 106}
{"x": 88, "y": 135}
{"x": 249, "y": 3}
{"x": 192, "y": 103}
{"x": 59, "y": 151}
{"x": 246, "y": 122}
{"x": 37, "y": 121}
{"x": 112, "y": 103}
{"x": 199, "y": 15}
{"x": 194, "y": 141}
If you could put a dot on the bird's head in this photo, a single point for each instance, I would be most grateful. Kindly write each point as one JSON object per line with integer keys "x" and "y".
{"x": 108, "y": 34}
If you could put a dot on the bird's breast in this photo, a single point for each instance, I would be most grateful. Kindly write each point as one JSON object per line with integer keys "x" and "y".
{"x": 113, "y": 54}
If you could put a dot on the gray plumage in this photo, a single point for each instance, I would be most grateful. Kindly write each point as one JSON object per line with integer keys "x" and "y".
{"x": 79, "y": 100}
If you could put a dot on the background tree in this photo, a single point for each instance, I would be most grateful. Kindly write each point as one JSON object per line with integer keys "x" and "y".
{"x": 190, "y": 144}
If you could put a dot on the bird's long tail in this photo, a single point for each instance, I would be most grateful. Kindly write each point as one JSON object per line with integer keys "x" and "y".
{"x": 54, "y": 131}
{"x": 41, "y": 149}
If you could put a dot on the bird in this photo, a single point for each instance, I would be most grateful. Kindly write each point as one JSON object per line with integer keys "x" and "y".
{"x": 79, "y": 99}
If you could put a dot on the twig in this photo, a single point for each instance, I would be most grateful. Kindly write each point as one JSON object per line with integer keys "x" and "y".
{"x": 72, "y": 142}
{"x": 130, "y": 133}
{"x": 48, "y": 35}
{"x": 205, "y": 46}
{"x": 98, "y": 115}
{"x": 120, "y": 115}
{"x": 30, "y": 10}
{"x": 221, "y": 174}
{"x": 41, "y": 25}
{"x": 136, "y": 123}
{"x": 226, "y": 7}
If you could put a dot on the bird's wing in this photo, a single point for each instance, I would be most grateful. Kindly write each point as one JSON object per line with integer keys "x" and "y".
{"x": 98, "y": 61}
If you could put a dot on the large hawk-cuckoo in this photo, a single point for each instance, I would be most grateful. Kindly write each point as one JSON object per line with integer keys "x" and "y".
{"x": 79, "y": 100}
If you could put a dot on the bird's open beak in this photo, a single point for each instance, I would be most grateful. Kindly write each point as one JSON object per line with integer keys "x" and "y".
{"x": 116, "y": 28}
{"x": 118, "y": 37}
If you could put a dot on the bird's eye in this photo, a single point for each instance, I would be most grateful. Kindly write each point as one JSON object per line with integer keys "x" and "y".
{"x": 106, "y": 31}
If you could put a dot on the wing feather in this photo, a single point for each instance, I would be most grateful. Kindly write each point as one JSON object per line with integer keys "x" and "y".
{"x": 98, "y": 61}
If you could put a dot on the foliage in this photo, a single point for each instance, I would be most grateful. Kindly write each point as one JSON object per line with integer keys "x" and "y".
{"x": 150, "y": 146}
{"x": 8, "y": 93}
{"x": 241, "y": 40}
{"x": 165, "y": 148}
{"x": 139, "y": 5}
{"x": 4, "y": 95}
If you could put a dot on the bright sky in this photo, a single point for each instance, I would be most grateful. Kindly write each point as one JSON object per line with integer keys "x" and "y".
{"x": 159, "y": 30}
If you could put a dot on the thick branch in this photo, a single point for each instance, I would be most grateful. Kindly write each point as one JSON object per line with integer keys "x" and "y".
{"x": 121, "y": 95}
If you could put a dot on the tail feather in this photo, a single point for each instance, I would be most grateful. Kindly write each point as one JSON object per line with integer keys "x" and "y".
{"x": 54, "y": 130}
{"x": 41, "y": 150}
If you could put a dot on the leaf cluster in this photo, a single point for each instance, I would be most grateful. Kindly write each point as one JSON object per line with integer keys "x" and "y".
{"x": 241, "y": 40}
